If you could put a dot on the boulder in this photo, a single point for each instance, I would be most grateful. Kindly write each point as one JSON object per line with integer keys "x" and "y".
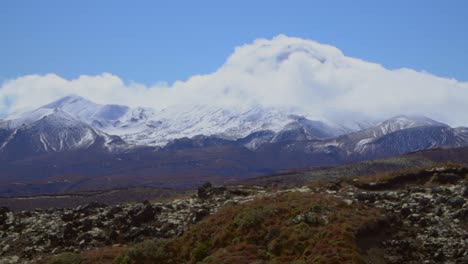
{"x": 465, "y": 192}
{"x": 68, "y": 231}
{"x": 365, "y": 196}
{"x": 456, "y": 202}
{"x": 446, "y": 178}
{"x": 207, "y": 191}
{"x": 144, "y": 214}
{"x": 88, "y": 208}
{"x": 68, "y": 216}
{"x": 199, "y": 214}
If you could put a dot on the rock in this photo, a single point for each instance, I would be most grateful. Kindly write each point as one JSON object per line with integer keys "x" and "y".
{"x": 334, "y": 186}
{"x": 462, "y": 214}
{"x": 199, "y": 215}
{"x": 417, "y": 190}
{"x": 439, "y": 212}
{"x": 366, "y": 197}
{"x": 89, "y": 207}
{"x": 112, "y": 235}
{"x": 97, "y": 234}
{"x": 463, "y": 259}
{"x": 3, "y": 214}
{"x": 13, "y": 259}
{"x": 84, "y": 238}
{"x": 166, "y": 227}
{"x": 136, "y": 232}
{"x": 68, "y": 216}
{"x": 439, "y": 256}
{"x": 424, "y": 222}
{"x": 465, "y": 192}
{"x": 68, "y": 231}
{"x": 310, "y": 218}
{"x": 202, "y": 192}
{"x": 446, "y": 178}
{"x": 207, "y": 191}
{"x": 85, "y": 224}
{"x": 456, "y": 202}
{"x": 112, "y": 212}
{"x": 238, "y": 192}
{"x": 414, "y": 217}
{"x": 144, "y": 215}
{"x": 56, "y": 240}
{"x": 5, "y": 248}
{"x": 438, "y": 190}
{"x": 405, "y": 211}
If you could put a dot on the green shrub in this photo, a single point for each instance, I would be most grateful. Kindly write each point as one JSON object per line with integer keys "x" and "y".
{"x": 148, "y": 251}
{"x": 253, "y": 217}
{"x": 201, "y": 251}
{"x": 123, "y": 259}
{"x": 66, "y": 258}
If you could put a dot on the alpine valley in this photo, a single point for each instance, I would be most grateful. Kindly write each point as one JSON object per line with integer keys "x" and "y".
{"x": 73, "y": 144}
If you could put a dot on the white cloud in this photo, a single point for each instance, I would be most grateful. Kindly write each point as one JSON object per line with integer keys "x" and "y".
{"x": 282, "y": 71}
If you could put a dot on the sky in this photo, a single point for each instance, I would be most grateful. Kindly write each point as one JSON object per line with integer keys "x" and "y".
{"x": 331, "y": 58}
{"x": 164, "y": 41}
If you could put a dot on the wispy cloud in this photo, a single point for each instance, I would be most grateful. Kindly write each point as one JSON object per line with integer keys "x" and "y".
{"x": 284, "y": 71}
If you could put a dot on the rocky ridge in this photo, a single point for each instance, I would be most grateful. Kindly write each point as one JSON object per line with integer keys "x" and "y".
{"x": 425, "y": 219}
{"x": 429, "y": 222}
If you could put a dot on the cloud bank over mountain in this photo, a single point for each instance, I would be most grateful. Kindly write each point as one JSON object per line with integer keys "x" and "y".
{"x": 283, "y": 71}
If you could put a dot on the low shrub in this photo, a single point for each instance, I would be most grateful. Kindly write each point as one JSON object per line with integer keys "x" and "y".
{"x": 66, "y": 258}
{"x": 269, "y": 230}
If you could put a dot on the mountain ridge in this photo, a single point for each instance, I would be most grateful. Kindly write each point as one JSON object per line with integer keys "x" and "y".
{"x": 50, "y": 142}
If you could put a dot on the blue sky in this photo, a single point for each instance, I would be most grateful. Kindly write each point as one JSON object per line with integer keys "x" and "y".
{"x": 151, "y": 41}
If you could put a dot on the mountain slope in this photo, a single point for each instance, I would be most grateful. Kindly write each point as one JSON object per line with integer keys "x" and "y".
{"x": 157, "y": 127}
{"x": 87, "y": 111}
{"x": 414, "y": 139}
{"x": 388, "y": 139}
{"x": 359, "y": 141}
{"x": 73, "y": 140}
{"x": 50, "y": 130}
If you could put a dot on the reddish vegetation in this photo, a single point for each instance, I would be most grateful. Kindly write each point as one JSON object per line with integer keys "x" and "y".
{"x": 398, "y": 179}
{"x": 305, "y": 228}
{"x": 287, "y": 228}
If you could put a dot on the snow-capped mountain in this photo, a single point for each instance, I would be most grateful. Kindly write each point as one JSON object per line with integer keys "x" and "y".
{"x": 403, "y": 122}
{"x": 414, "y": 139}
{"x": 47, "y": 130}
{"x": 157, "y": 127}
{"x": 86, "y": 110}
{"x": 395, "y": 136}
{"x": 358, "y": 141}
{"x": 74, "y": 122}
{"x": 76, "y": 137}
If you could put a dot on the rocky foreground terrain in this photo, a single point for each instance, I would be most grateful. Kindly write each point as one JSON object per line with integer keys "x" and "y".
{"x": 428, "y": 221}
{"x": 27, "y": 235}
{"x": 422, "y": 218}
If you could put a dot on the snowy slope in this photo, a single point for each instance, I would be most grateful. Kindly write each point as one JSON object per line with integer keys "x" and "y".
{"x": 403, "y": 122}
{"x": 86, "y": 110}
{"x": 251, "y": 127}
{"x": 415, "y": 133}
{"x": 47, "y": 130}
{"x": 359, "y": 140}
{"x": 167, "y": 124}
{"x": 157, "y": 127}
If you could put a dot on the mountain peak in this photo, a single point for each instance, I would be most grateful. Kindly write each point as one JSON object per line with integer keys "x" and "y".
{"x": 407, "y": 121}
{"x": 400, "y": 122}
{"x": 68, "y": 100}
